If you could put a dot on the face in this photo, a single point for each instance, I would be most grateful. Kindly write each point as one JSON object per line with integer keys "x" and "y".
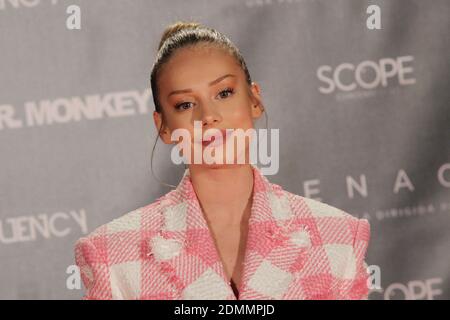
{"x": 206, "y": 84}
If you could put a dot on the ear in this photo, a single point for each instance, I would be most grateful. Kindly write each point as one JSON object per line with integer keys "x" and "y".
{"x": 257, "y": 107}
{"x": 165, "y": 133}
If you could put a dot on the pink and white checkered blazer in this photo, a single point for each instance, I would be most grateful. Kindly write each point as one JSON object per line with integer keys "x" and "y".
{"x": 297, "y": 248}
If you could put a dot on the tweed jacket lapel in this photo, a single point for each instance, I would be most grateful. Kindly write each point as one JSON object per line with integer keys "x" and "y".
{"x": 277, "y": 245}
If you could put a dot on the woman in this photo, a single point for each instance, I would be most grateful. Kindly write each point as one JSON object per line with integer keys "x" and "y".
{"x": 225, "y": 232}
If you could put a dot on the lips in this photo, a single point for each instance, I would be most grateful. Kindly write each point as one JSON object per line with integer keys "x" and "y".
{"x": 213, "y": 138}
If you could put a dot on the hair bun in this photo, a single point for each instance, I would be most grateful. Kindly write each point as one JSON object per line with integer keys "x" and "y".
{"x": 176, "y": 27}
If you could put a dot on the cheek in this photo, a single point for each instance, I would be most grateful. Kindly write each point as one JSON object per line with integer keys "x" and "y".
{"x": 240, "y": 115}
{"x": 181, "y": 123}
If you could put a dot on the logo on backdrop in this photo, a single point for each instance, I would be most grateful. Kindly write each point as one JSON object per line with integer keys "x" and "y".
{"x": 427, "y": 289}
{"x": 74, "y": 109}
{"x": 360, "y": 187}
{"x": 350, "y": 80}
{"x": 42, "y": 226}
{"x": 18, "y": 4}
{"x": 401, "y": 184}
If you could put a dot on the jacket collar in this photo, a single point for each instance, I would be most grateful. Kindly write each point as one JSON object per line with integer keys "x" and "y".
{"x": 184, "y": 249}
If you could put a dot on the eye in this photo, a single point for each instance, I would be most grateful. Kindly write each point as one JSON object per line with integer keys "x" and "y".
{"x": 182, "y": 106}
{"x": 227, "y": 90}
{"x": 185, "y": 105}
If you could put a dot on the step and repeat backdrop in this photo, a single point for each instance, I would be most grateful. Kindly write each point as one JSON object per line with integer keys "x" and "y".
{"x": 361, "y": 97}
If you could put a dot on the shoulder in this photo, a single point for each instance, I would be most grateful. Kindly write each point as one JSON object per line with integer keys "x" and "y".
{"x": 124, "y": 228}
{"x": 109, "y": 256}
{"x": 340, "y": 237}
{"x": 329, "y": 220}
{"x": 317, "y": 208}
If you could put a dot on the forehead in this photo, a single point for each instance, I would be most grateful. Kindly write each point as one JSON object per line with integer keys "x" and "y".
{"x": 198, "y": 65}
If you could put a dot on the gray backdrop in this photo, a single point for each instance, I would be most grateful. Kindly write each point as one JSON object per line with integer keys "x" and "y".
{"x": 355, "y": 107}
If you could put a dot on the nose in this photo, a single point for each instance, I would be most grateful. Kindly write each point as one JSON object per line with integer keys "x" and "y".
{"x": 209, "y": 115}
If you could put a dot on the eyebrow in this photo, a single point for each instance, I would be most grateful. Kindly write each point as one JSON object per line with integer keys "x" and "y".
{"x": 210, "y": 84}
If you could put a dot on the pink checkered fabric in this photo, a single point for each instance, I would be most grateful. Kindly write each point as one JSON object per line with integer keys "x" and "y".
{"x": 297, "y": 248}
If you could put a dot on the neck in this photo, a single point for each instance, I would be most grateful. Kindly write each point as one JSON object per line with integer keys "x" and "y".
{"x": 225, "y": 192}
